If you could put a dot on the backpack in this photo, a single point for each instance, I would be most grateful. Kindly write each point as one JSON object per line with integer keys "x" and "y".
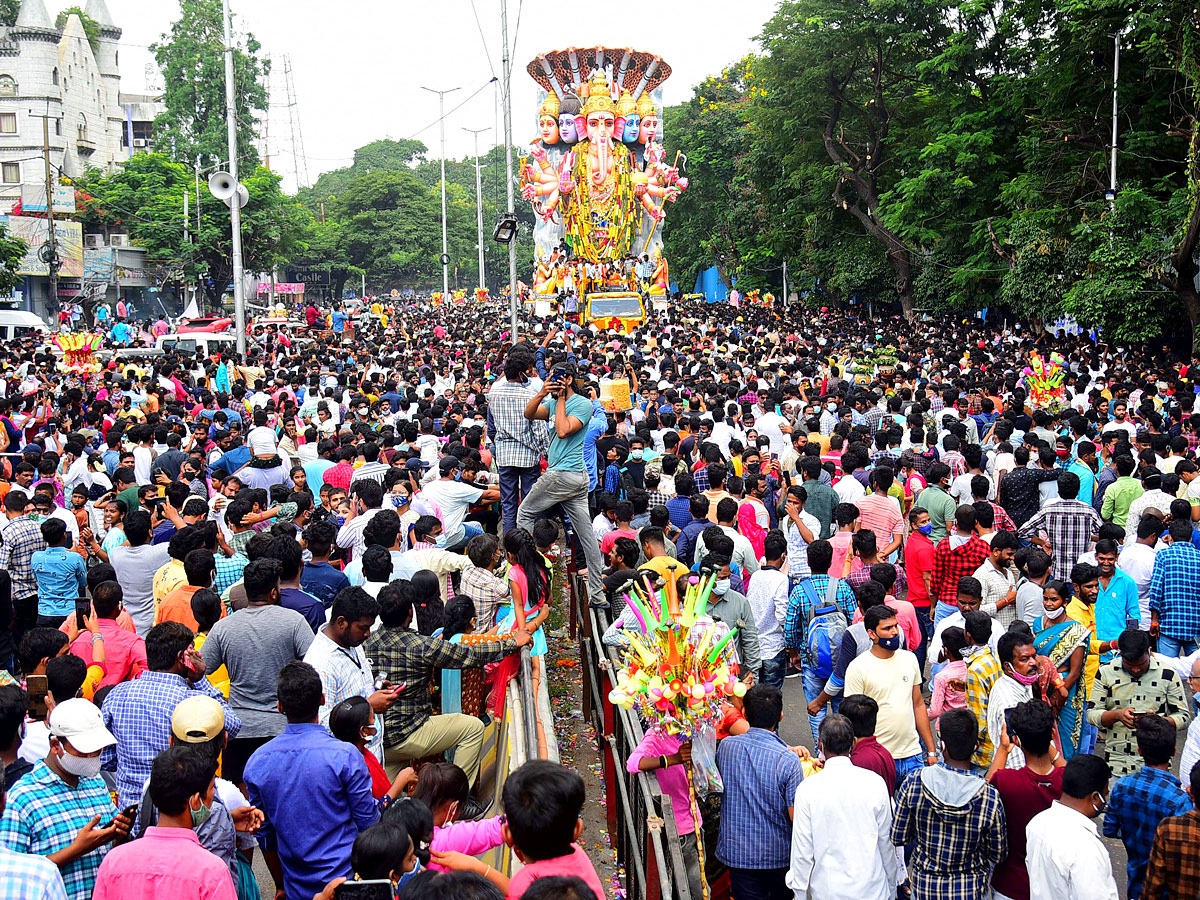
{"x": 825, "y": 629}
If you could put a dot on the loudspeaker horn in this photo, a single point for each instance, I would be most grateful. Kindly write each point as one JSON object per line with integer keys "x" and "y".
{"x": 222, "y": 185}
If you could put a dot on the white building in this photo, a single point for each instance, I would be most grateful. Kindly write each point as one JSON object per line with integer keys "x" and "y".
{"x": 45, "y": 71}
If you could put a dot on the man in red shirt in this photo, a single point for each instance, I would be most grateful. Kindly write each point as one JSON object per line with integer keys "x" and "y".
{"x": 918, "y": 568}
{"x": 959, "y": 553}
{"x": 1026, "y": 791}
{"x": 868, "y": 753}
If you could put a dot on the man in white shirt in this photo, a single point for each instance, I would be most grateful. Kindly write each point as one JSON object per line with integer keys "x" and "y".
{"x": 1064, "y": 855}
{"x": 841, "y": 828}
{"x": 1018, "y": 661}
{"x": 768, "y": 599}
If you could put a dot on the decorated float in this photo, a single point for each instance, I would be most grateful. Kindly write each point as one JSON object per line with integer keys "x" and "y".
{"x": 597, "y": 173}
{"x": 1044, "y": 380}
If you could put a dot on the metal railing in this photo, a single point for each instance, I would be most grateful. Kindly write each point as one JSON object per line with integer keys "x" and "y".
{"x": 641, "y": 821}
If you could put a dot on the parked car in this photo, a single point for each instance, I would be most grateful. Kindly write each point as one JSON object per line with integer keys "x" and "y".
{"x": 204, "y": 342}
{"x": 17, "y": 323}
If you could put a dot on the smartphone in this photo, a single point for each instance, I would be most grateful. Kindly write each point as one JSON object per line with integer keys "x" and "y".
{"x": 83, "y": 609}
{"x": 1008, "y": 721}
{"x": 402, "y": 686}
{"x": 380, "y": 889}
{"x": 380, "y": 681}
{"x": 558, "y": 374}
{"x": 129, "y": 812}
{"x": 35, "y": 686}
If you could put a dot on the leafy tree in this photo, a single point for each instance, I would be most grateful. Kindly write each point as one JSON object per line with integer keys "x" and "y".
{"x": 8, "y": 11}
{"x": 12, "y": 251}
{"x": 145, "y": 196}
{"x": 90, "y": 26}
{"x": 191, "y": 59}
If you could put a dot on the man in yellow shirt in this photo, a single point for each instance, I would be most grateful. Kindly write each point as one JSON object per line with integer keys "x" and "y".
{"x": 654, "y": 547}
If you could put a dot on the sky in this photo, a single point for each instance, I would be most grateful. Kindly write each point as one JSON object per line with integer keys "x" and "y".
{"x": 358, "y": 66}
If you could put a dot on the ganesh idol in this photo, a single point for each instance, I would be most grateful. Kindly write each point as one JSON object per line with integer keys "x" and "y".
{"x": 539, "y": 177}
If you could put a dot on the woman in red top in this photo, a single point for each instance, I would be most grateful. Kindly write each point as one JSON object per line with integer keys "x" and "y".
{"x": 353, "y": 721}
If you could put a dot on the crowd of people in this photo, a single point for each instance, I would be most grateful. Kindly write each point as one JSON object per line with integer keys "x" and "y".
{"x": 266, "y": 605}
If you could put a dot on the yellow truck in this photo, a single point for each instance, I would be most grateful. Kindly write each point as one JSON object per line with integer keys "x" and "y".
{"x": 620, "y": 310}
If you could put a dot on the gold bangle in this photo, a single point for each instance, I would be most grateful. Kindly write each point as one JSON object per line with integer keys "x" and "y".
{"x": 485, "y": 871}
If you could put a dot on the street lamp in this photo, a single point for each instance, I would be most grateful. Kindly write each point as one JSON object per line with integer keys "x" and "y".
{"x": 478, "y": 202}
{"x": 442, "y": 124}
{"x": 506, "y": 228}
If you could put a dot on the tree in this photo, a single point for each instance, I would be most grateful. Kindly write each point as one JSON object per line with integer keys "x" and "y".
{"x": 191, "y": 59}
{"x": 843, "y": 81}
{"x": 12, "y": 251}
{"x": 90, "y": 26}
{"x": 145, "y": 196}
{"x": 8, "y": 11}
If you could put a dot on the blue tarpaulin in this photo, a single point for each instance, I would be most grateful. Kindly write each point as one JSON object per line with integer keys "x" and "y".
{"x": 710, "y": 285}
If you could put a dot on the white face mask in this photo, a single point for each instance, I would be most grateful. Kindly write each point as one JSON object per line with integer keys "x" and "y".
{"x": 1053, "y": 613}
{"x": 80, "y": 766}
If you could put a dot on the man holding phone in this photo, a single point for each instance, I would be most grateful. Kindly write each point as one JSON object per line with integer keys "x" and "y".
{"x": 565, "y": 480}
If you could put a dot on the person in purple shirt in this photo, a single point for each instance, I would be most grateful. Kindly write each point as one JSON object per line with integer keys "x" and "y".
{"x": 291, "y": 596}
{"x": 314, "y": 790}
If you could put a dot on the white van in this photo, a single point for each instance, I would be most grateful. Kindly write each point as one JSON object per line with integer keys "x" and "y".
{"x": 206, "y": 343}
{"x": 17, "y": 323}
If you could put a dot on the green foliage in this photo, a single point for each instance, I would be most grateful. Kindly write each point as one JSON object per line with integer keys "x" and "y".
{"x": 145, "y": 196}
{"x": 8, "y": 11}
{"x": 90, "y": 26}
{"x": 12, "y": 251}
{"x": 191, "y": 58}
{"x": 382, "y": 215}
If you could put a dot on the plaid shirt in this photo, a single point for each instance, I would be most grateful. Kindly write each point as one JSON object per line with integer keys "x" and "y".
{"x": 1002, "y": 520}
{"x": 519, "y": 441}
{"x": 44, "y": 814}
{"x": 29, "y": 876}
{"x": 1158, "y": 690}
{"x": 229, "y": 571}
{"x": 22, "y": 539}
{"x": 800, "y": 609}
{"x": 761, "y": 776}
{"x": 983, "y": 671}
{"x": 951, "y": 565}
{"x": 658, "y": 498}
{"x": 863, "y": 575}
{"x": 1174, "y": 868}
{"x": 700, "y": 477}
{"x": 339, "y": 476}
{"x": 1137, "y": 804}
{"x": 408, "y": 656}
{"x": 954, "y": 855}
{"x": 1175, "y": 591}
{"x": 373, "y": 471}
{"x": 487, "y": 592}
{"x": 138, "y": 713}
{"x": 1069, "y": 526}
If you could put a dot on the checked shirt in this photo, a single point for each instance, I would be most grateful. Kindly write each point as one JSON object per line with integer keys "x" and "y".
{"x": 1069, "y": 526}
{"x": 1174, "y": 591}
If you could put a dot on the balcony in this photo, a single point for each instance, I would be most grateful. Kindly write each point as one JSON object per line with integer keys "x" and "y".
{"x": 85, "y": 146}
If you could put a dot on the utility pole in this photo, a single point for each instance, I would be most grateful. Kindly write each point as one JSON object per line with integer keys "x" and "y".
{"x": 478, "y": 203}
{"x": 50, "y": 251}
{"x": 785, "y": 290}
{"x": 513, "y": 300}
{"x": 1112, "y": 174}
{"x": 235, "y": 211}
{"x": 442, "y": 126}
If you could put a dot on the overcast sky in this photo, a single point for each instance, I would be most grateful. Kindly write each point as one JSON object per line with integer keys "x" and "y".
{"x": 358, "y": 65}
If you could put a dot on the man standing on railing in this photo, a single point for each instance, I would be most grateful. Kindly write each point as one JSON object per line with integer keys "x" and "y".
{"x": 761, "y": 774}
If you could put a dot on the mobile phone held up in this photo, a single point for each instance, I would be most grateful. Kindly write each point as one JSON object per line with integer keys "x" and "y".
{"x": 381, "y": 889}
{"x": 83, "y": 609}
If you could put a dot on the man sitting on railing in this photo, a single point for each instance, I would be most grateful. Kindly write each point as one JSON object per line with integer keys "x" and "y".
{"x": 411, "y": 731}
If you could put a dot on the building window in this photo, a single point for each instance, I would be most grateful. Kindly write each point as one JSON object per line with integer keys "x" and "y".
{"x": 58, "y": 127}
{"x": 8, "y": 86}
{"x": 8, "y": 123}
{"x": 11, "y": 173}
{"x": 54, "y": 74}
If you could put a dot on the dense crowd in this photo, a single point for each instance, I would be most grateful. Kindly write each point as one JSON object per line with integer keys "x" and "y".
{"x": 267, "y": 604}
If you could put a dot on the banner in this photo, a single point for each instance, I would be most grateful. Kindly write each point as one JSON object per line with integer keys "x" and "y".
{"x": 33, "y": 231}
{"x": 33, "y": 198}
{"x": 98, "y": 263}
{"x": 281, "y": 287}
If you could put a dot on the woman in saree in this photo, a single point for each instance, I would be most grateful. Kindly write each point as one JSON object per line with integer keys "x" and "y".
{"x": 1064, "y": 642}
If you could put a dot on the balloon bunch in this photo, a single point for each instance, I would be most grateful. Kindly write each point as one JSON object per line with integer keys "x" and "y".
{"x": 677, "y": 671}
{"x": 79, "y": 353}
{"x": 436, "y": 298}
{"x": 481, "y": 295}
{"x": 1044, "y": 381}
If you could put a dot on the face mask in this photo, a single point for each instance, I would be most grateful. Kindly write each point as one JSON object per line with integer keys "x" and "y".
{"x": 80, "y": 766}
{"x": 832, "y": 407}
{"x": 1026, "y": 680}
{"x": 1101, "y": 806}
{"x": 407, "y": 876}
{"x": 926, "y": 529}
{"x": 635, "y": 455}
{"x": 722, "y": 586}
{"x": 968, "y": 650}
{"x": 1053, "y": 613}
{"x": 200, "y": 816}
{"x": 890, "y": 643}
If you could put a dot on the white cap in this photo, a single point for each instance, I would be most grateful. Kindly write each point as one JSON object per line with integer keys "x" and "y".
{"x": 79, "y": 721}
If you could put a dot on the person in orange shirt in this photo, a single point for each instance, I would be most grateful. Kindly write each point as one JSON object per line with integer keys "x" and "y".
{"x": 200, "y": 568}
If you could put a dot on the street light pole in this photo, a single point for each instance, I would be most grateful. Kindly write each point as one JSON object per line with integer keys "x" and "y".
{"x": 1112, "y": 174}
{"x": 442, "y": 124}
{"x": 235, "y": 210}
{"x": 478, "y": 202}
{"x": 506, "y": 59}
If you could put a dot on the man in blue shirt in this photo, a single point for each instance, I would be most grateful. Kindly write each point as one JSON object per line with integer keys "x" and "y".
{"x": 565, "y": 481}
{"x": 761, "y": 774}
{"x": 61, "y": 575}
{"x": 314, "y": 790}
